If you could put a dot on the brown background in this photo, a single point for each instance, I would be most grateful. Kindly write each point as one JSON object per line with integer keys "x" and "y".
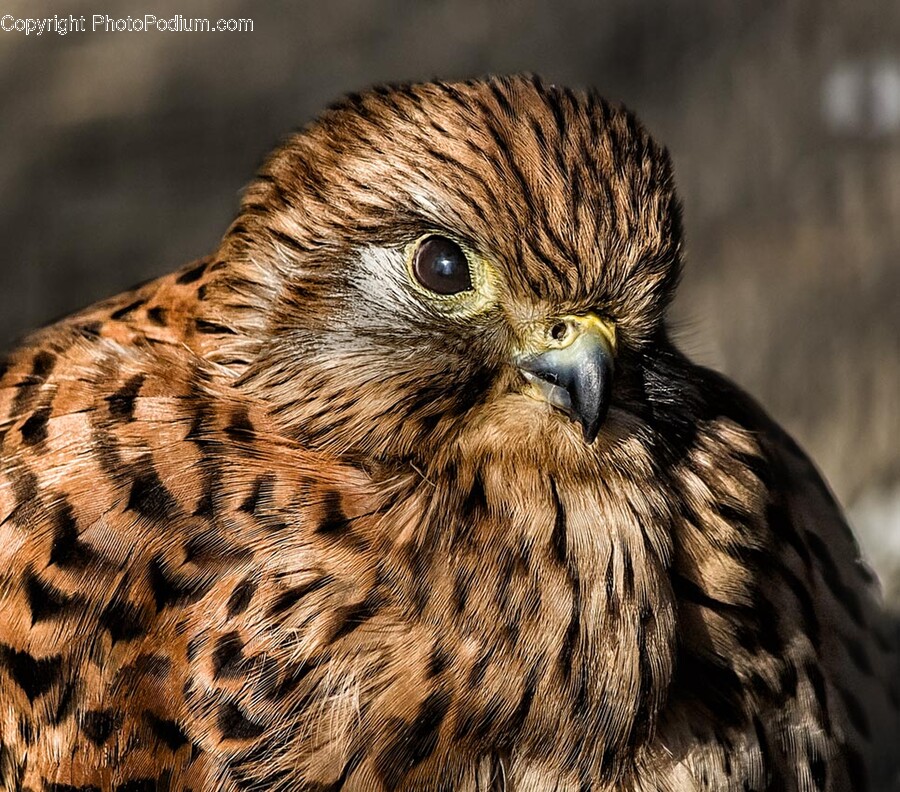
{"x": 122, "y": 155}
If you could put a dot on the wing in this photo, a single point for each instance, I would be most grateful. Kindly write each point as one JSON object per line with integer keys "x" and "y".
{"x": 788, "y": 664}
{"x": 168, "y": 565}
{"x": 857, "y": 636}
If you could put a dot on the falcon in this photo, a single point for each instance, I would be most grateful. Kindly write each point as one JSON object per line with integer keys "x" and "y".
{"x": 407, "y": 488}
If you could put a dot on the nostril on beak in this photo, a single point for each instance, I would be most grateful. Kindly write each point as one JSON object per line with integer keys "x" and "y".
{"x": 559, "y": 331}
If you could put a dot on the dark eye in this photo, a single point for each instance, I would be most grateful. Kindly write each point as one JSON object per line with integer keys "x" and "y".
{"x": 441, "y": 265}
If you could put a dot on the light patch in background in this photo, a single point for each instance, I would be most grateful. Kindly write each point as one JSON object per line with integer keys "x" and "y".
{"x": 862, "y": 97}
{"x": 843, "y": 95}
{"x": 876, "y": 519}
{"x": 886, "y": 96}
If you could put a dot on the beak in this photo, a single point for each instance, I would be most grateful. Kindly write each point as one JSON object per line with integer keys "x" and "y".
{"x": 571, "y": 368}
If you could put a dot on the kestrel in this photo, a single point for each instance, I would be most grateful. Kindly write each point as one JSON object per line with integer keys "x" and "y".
{"x": 407, "y": 488}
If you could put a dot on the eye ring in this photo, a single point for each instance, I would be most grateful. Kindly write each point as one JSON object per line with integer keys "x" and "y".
{"x": 441, "y": 266}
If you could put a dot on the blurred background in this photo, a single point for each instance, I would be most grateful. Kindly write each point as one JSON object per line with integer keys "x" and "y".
{"x": 122, "y": 156}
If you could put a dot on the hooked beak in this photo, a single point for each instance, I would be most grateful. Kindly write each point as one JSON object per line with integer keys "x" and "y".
{"x": 571, "y": 368}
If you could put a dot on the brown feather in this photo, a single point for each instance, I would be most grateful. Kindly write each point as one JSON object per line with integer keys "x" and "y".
{"x": 271, "y": 522}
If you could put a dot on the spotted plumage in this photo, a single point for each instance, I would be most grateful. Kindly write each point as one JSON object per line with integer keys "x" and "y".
{"x": 318, "y": 513}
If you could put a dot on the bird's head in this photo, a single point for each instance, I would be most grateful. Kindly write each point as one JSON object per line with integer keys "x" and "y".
{"x": 490, "y": 257}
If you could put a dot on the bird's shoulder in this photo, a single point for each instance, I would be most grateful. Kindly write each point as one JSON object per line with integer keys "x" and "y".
{"x": 142, "y": 497}
{"x": 793, "y": 481}
{"x": 817, "y": 608}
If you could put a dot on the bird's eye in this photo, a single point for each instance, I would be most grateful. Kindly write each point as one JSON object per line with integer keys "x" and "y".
{"x": 441, "y": 265}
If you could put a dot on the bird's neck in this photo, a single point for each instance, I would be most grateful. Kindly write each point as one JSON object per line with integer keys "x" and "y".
{"x": 559, "y": 588}
{"x": 553, "y": 593}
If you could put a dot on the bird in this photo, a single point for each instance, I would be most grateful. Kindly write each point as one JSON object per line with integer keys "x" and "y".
{"x": 408, "y": 487}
